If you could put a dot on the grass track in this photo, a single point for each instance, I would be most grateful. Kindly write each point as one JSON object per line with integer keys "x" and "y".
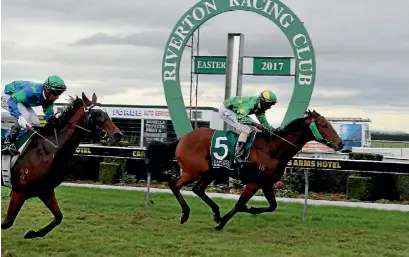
{"x": 116, "y": 223}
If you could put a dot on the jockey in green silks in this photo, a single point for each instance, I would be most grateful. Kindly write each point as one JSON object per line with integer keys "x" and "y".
{"x": 18, "y": 97}
{"x": 235, "y": 110}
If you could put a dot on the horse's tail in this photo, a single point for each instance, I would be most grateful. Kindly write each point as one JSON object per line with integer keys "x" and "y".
{"x": 159, "y": 156}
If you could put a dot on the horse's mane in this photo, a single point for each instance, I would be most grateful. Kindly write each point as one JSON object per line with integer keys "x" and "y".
{"x": 71, "y": 108}
{"x": 65, "y": 114}
{"x": 292, "y": 126}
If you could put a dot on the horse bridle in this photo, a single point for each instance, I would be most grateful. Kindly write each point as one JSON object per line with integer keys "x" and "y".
{"x": 90, "y": 123}
{"x": 103, "y": 134}
{"x": 317, "y": 134}
{"x": 314, "y": 129}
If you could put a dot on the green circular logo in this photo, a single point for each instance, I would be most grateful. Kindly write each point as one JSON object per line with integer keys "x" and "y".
{"x": 204, "y": 10}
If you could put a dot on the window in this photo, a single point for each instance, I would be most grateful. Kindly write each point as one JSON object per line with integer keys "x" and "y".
{"x": 131, "y": 128}
{"x": 196, "y": 115}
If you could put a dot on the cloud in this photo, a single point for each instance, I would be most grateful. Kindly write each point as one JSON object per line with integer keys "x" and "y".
{"x": 151, "y": 39}
{"x": 115, "y": 49}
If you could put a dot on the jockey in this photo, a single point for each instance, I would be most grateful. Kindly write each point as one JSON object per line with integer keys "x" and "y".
{"x": 19, "y": 96}
{"x": 236, "y": 109}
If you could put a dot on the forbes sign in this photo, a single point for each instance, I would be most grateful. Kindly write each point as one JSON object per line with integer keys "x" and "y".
{"x": 126, "y": 112}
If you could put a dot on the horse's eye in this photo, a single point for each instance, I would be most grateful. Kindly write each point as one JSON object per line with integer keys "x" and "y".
{"x": 325, "y": 126}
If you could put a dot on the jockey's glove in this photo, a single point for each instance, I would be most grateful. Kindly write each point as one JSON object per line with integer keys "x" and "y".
{"x": 260, "y": 127}
{"x": 23, "y": 122}
{"x": 53, "y": 120}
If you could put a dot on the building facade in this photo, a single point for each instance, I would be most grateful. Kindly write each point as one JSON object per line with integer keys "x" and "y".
{"x": 141, "y": 124}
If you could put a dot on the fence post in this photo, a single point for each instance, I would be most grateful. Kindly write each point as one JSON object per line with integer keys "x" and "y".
{"x": 306, "y": 195}
{"x": 148, "y": 186}
{"x": 148, "y": 182}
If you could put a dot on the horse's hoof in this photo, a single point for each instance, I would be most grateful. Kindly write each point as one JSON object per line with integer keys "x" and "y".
{"x": 5, "y": 225}
{"x": 30, "y": 234}
{"x": 185, "y": 217}
{"x": 219, "y": 227}
{"x": 217, "y": 218}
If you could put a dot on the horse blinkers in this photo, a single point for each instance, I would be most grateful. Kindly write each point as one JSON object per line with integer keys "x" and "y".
{"x": 94, "y": 118}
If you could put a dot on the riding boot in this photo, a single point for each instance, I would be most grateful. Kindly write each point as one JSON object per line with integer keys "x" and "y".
{"x": 239, "y": 152}
{"x": 9, "y": 144}
{"x": 239, "y": 160}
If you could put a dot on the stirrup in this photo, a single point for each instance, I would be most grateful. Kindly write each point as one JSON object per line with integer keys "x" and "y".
{"x": 238, "y": 156}
{"x": 11, "y": 149}
{"x": 239, "y": 159}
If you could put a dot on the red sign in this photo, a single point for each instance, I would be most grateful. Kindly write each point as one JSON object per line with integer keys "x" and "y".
{"x": 316, "y": 146}
{"x": 156, "y": 113}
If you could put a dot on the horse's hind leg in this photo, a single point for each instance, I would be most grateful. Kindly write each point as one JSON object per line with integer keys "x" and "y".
{"x": 51, "y": 202}
{"x": 16, "y": 202}
{"x": 249, "y": 190}
{"x": 175, "y": 186}
{"x": 269, "y": 194}
{"x": 200, "y": 189}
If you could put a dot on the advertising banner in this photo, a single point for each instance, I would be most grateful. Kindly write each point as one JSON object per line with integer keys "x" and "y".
{"x": 351, "y": 134}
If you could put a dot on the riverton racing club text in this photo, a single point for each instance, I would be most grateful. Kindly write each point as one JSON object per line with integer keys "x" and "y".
{"x": 276, "y": 11}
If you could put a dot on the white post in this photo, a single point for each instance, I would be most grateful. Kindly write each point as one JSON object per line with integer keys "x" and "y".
{"x": 148, "y": 186}
{"x": 306, "y": 195}
{"x": 234, "y": 71}
{"x": 142, "y": 135}
{"x": 148, "y": 183}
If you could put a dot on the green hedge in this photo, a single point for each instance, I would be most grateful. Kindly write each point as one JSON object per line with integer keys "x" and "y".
{"x": 359, "y": 187}
{"x": 365, "y": 156}
{"x": 330, "y": 181}
{"x": 402, "y": 186}
{"x": 108, "y": 172}
{"x": 122, "y": 143}
{"x": 379, "y": 186}
{"x": 120, "y": 161}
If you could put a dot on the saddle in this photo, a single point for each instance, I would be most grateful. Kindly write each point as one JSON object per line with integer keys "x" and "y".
{"x": 8, "y": 161}
{"x": 222, "y": 148}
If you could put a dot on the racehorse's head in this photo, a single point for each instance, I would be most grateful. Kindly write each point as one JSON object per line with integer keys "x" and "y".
{"x": 323, "y": 131}
{"x": 98, "y": 120}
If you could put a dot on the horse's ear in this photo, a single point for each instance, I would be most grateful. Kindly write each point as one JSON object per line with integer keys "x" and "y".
{"x": 94, "y": 98}
{"x": 308, "y": 112}
{"x": 86, "y": 100}
{"x": 315, "y": 114}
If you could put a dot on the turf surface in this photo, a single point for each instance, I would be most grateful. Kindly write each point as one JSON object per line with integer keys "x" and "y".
{"x": 116, "y": 223}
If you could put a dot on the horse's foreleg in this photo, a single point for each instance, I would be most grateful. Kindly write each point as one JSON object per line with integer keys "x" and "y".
{"x": 200, "y": 189}
{"x": 249, "y": 190}
{"x": 51, "y": 202}
{"x": 16, "y": 202}
{"x": 269, "y": 193}
{"x": 175, "y": 186}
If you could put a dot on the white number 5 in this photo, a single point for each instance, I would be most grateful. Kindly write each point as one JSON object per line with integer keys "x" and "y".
{"x": 224, "y": 146}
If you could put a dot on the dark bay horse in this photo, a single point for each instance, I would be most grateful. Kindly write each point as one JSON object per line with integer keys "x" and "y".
{"x": 268, "y": 158}
{"x": 38, "y": 169}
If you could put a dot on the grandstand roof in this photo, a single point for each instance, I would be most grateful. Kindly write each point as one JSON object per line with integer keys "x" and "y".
{"x": 349, "y": 119}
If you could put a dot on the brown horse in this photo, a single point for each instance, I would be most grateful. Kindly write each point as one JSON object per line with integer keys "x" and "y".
{"x": 38, "y": 169}
{"x": 268, "y": 158}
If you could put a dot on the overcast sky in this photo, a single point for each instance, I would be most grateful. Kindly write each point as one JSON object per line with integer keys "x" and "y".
{"x": 115, "y": 48}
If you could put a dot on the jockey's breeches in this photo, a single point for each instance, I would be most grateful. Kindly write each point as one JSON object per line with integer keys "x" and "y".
{"x": 26, "y": 111}
{"x": 230, "y": 118}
